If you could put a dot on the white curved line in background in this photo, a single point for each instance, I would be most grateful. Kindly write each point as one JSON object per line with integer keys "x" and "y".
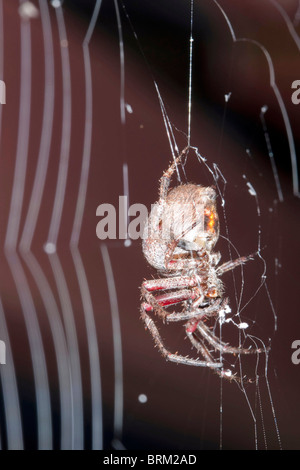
{"x": 288, "y": 22}
{"x": 46, "y": 133}
{"x": 30, "y": 226}
{"x": 65, "y": 133}
{"x": 60, "y": 347}
{"x": 11, "y": 401}
{"x": 117, "y": 344}
{"x": 284, "y": 113}
{"x": 297, "y": 15}
{"x": 57, "y": 268}
{"x": 44, "y": 418}
{"x": 10, "y": 392}
{"x": 280, "y": 101}
{"x": 95, "y": 373}
{"x": 122, "y": 64}
{"x": 87, "y": 130}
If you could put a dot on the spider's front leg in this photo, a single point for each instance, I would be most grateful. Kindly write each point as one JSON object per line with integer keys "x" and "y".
{"x": 166, "y": 177}
{"x": 229, "y": 265}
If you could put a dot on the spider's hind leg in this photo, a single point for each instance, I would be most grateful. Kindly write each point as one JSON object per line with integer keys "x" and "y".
{"x": 202, "y": 349}
{"x": 150, "y": 325}
{"x": 227, "y": 374}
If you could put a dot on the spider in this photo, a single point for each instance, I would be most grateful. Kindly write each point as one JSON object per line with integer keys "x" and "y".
{"x": 180, "y": 234}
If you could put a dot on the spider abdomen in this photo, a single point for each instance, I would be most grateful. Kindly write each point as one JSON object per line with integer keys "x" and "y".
{"x": 186, "y": 220}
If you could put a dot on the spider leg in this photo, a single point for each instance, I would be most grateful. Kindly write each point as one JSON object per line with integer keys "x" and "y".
{"x": 229, "y": 265}
{"x": 197, "y": 314}
{"x": 201, "y": 348}
{"x": 150, "y": 325}
{"x": 219, "y": 345}
{"x": 178, "y": 282}
{"x": 170, "y": 298}
{"x": 174, "y": 265}
{"x": 166, "y": 177}
{"x": 157, "y": 303}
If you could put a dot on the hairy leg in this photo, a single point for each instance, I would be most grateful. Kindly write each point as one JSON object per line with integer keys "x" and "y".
{"x": 219, "y": 345}
{"x": 229, "y": 265}
{"x": 178, "y": 282}
{"x": 166, "y": 177}
{"x": 150, "y": 325}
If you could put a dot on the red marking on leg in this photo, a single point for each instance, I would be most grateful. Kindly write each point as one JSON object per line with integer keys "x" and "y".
{"x": 153, "y": 285}
{"x": 172, "y": 298}
{"x": 192, "y": 326}
{"x": 147, "y": 307}
{"x": 170, "y": 283}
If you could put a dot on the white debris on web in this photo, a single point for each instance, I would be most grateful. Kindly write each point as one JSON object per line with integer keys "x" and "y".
{"x": 240, "y": 326}
{"x": 223, "y": 313}
{"x": 227, "y": 373}
{"x": 253, "y": 193}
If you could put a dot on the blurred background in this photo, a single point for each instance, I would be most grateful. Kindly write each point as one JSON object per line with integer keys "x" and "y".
{"x": 83, "y": 125}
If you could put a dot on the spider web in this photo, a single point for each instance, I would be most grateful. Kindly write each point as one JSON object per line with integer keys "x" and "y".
{"x": 101, "y": 96}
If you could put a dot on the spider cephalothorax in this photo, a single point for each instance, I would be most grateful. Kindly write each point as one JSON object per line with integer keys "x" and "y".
{"x": 180, "y": 234}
